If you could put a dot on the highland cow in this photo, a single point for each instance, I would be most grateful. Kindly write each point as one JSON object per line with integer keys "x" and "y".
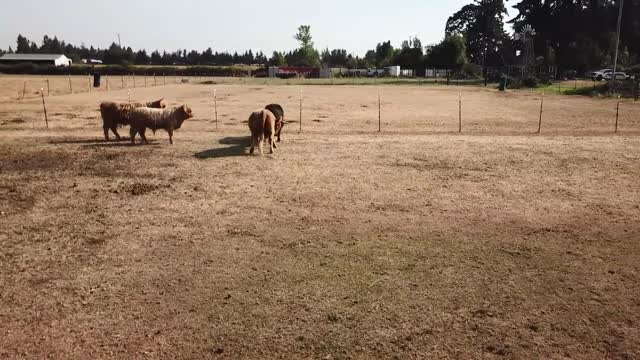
{"x": 142, "y": 119}
{"x": 278, "y": 111}
{"x": 117, "y": 114}
{"x": 262, "y": 124}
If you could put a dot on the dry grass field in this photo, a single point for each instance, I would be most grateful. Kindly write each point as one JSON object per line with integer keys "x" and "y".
{"x": 414, "y": 243}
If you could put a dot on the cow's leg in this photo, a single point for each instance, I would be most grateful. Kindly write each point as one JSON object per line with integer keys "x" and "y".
{"x": 260, "y": 141}
{"x": 170, "y": 131}
{"x": 272, "y": 144}
{"x": 278, "y": 131}
{"x": 132, "y": 134}
{"x": 253, "y": 144}
{"x": 106, "y": 133}
{"x": 115, "y": 132}
{"x": 143, "y": 136}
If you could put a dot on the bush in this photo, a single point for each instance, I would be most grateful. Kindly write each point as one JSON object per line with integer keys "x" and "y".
{"x": 472, "y": 71}
{"x": 531, "y": 82}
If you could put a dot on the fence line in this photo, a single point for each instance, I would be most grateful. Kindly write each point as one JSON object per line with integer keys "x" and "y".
{"x": 616, "y": 118}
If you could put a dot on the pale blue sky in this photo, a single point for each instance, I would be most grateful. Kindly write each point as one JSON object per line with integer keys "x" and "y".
{"x": 226, "y": 25}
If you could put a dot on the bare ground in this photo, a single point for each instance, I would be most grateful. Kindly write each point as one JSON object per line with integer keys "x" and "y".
{"x": 413, "y": 243}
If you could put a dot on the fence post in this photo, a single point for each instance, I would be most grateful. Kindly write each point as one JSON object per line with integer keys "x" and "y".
{"x": 617, "y": 115}
{"x": 540, "y": 121}
{"x": 89, "y": 82}
{"x": 24, "y": 89}
{"x": 122, "y": 81}
{"x": 379, "y": 112}
{"x": 215, "y": 105}
{"x": 48, "y": 88}
{"x": 300, "y": 109}
{"x": 44, "y": 106}
{"x": 134, "y": 79}
{"x": 155, "y": 83}
{"x": 145, "y": 79}
{"x": 164, "y": 79}
{"x": 70, "y": 86}
{"x": 460, "y": 113}
{"x": 107, "y": 80}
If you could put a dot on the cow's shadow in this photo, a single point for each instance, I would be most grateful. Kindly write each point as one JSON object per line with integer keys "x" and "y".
{"x": 237, "y": 148}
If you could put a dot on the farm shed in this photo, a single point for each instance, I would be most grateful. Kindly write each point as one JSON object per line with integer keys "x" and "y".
{"x": 39, "y": 59}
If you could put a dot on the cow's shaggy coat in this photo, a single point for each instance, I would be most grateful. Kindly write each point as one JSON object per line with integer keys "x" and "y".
{"x": 262, "y": 124}
{"x": 117, "y": 114}
{"x": 142, "y": 119}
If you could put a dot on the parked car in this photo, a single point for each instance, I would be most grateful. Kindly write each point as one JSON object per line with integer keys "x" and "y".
{"x": 619, "y": 76}
{"x": 599, "y": 74}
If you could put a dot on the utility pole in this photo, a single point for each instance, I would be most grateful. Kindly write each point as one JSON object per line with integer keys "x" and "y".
{"x": 615, "y": 61}
{"x": 119, "y": 43}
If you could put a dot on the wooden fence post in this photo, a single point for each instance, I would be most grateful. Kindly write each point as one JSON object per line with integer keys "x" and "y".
{"x": 540, "y": 121}
{"x": 145, "y": 80}
{"x": 107, "y": 80}
{"x": 44, "y": 106}
{"x": 379, "y": 111}
{"x": 89, "y": 82}
{"x": 48, "y": 88}
{"x": 155, "y": 83}
{"x": 122, "y": 81}
{"x": 24, "y": 89}
{"x": 164, "y": 79}
{"x": 70, "y": 85}
{"x": 617, "y": 115}
{"x": 134, "y": 79}
{"x": 215, "y": 105}
{"x": 300, "y": 109}
{"x": 459, "y": 112}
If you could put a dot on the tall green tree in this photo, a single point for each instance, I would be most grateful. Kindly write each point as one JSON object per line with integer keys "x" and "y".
{"x": 23, "y": 45}
{"x": 450, "y": 53}
{"x": 385, "y": 54}
{"x": 306, "y": 55}
{"x": 481, "y": 23}
{"x": 277, "y": 59}
{"x": 410, "y": 55}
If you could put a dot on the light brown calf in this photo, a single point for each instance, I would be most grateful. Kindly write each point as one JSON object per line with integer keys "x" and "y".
{"x": 262, "y": 124}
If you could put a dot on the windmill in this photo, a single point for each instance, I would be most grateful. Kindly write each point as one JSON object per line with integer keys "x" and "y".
{"x": 527, "y": 36}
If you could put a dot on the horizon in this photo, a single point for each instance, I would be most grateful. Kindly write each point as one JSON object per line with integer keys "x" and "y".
{"x": 426, "y": 20}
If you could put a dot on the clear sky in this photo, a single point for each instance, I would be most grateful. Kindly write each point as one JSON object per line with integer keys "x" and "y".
{"x": 355, "y": 25}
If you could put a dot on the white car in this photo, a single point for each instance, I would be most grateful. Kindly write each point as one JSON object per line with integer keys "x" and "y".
{"x": 619, "y": 76}
{"x": 599, "y": 75}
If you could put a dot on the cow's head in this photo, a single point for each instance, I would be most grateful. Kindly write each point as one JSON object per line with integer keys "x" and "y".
{"x": 186, "y": 111}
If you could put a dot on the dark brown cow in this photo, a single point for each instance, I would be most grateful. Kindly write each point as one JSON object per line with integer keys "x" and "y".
{"x": 278, "y": 111}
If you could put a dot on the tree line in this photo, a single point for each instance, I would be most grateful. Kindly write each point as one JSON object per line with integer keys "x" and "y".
{"x": 119, "y": 55}
{"x": 570, "y": 34}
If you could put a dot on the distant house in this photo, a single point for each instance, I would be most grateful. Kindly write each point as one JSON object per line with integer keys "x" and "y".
{"x": 39, "y": 59}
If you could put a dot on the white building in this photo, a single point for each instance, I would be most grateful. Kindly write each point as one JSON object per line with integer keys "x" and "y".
{"x": 39, "y": 59}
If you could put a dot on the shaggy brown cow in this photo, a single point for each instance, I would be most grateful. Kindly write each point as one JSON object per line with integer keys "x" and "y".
{"x": 278, "y": 111}
{"x": 117, "y": 114}
{"x": 262, "y": 124}
{"x": 154, "y": 119}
